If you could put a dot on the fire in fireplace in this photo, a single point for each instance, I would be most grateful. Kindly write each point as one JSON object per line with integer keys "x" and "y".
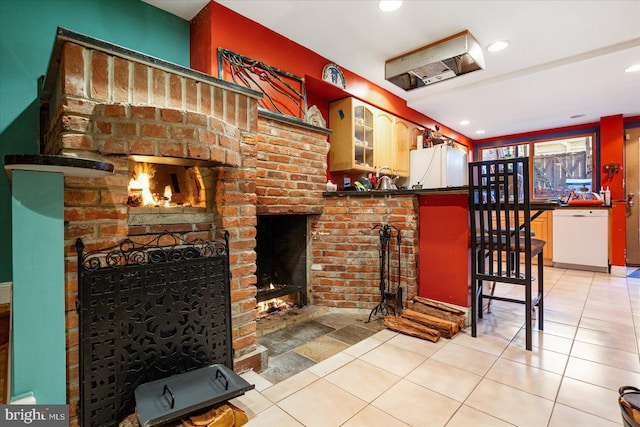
{"x": 274, "y": 305}
{"x": 281, "y": 249}
{"x": 161, "y": 185}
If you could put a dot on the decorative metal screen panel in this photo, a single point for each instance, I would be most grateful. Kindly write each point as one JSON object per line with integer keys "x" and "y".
{"x": 148, "y": 312}
{"x": 282, "y": 91}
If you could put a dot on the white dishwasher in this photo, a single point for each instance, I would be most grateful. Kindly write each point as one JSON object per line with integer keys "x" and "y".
{"x": 581, "y": 239}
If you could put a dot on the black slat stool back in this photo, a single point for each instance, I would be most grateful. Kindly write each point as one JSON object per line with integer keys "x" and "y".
{"x": 501, "y": 244}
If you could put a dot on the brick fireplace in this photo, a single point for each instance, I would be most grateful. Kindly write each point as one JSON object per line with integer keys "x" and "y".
{"x": 106, "y": 103}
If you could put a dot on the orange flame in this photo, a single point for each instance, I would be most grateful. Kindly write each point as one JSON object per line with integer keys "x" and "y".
{"x": 140, "y": 184}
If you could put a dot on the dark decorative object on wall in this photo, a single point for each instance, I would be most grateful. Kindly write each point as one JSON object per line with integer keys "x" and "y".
{"x": 147, "y": 312}
{"x": 283, "y": 92}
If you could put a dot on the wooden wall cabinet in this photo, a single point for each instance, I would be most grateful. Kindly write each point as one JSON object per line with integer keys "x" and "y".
{"x": 352, "y": 139}
{"x": 405, "y": 138}
{"x": 384, "y": 131}
{"x": 543, "y": 228}
{"x": 365, "y": 138}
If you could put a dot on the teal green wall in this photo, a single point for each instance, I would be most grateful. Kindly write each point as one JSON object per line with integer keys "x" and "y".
{"x": 38, "y": 339}
{"x": 27, "y": 34}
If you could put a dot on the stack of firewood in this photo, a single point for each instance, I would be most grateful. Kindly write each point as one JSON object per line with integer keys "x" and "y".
{"x": 427, "y": 319}
{"x": 221, "y": 415}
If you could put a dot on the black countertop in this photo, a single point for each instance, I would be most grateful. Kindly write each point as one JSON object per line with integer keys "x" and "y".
{"x": 537, "y": 204}
{"x": 450, "y": 190}
{"x": 422, "y": 192}
{"x": 67, "y": 165}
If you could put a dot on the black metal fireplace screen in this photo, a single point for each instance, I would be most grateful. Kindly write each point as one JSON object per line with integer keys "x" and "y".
{"x": 146, "y": 312}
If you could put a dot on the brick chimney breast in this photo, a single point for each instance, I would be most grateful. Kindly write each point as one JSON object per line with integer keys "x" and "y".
{"x": 104, "y": 102}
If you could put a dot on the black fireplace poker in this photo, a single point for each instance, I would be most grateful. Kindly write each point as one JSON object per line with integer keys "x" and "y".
{"x": 386, "y": 294}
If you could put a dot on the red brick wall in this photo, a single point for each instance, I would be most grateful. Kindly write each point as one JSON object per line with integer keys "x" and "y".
{"x": 90, "y": 77}
{"x": 345, "y": 271}
{"x": 106, "y": 107}
{"x": 291, "y": 168}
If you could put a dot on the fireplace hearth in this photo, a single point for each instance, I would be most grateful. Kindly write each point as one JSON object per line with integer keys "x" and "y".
{"x": 281, "y": 249}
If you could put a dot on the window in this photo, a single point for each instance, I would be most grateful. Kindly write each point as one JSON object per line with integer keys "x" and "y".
{"x": 562, "y": 165}
{"x": 558, "y": 165}
{"x": 505, "y": 152}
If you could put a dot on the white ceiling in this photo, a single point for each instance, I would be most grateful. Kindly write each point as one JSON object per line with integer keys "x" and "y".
{"x": 565, "y": 58}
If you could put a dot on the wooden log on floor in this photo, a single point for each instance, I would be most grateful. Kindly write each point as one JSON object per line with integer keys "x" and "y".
{"x": 436, "y": 309}
{"x": 407, "y": 327}
{"x": 446, "y": 328}
{"x": 438, "y": 305}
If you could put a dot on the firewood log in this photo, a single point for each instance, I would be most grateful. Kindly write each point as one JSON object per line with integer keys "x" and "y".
{"x": 439, "y": 305}
{"x": 216, "y": 417}
{"x": 130, "y": 421}
{"x": 425, "y": 306}
{"x": 446, "y": 328}
{"x": 407, "y": 327}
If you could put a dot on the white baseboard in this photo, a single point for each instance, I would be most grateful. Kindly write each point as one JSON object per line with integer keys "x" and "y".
{"x": 619, "y": 271}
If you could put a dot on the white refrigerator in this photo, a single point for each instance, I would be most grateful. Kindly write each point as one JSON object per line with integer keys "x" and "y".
{"x": 438, "y": 167}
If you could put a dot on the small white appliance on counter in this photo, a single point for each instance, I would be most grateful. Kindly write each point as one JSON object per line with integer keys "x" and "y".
{"x": 438, "y": 167}
{"x": 581, "y": 239}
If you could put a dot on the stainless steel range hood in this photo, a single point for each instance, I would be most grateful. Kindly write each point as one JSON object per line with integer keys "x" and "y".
{"x": 436, "y": 62}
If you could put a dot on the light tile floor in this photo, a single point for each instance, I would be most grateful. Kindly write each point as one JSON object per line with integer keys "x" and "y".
{"x": 589, "y": 348}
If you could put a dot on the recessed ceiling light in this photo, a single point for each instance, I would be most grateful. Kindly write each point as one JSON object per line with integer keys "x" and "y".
{"x": 497, "y": 46}
{"x": 389, "y": 5}
{"x": 480, "y": 131}
{"x": 633, "y": 68}
{"x": 465, "y": 122}
{"x": 576, "y": 116}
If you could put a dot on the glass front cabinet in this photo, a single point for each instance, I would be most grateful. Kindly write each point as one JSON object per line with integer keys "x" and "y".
{"x": 365, "y": 138}
{"x": 352, "y": 138}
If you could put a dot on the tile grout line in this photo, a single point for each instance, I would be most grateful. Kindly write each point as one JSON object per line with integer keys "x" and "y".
{"x": 575, "y": 335}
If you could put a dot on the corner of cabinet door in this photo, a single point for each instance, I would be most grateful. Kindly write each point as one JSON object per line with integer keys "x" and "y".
{"x": 549, "y": 237}
{"x": 609, "y": 232}
{"x": 341, "y": 137}
{"x": 543, "y": 228}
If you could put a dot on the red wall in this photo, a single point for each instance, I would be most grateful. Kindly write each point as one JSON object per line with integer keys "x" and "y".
{"x": 217, "y": 26}
{"x": 612, "y": 150}
{"x": 444, "y": 249}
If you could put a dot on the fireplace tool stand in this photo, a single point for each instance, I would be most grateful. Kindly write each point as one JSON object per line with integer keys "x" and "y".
{"x": 386, "y": 233}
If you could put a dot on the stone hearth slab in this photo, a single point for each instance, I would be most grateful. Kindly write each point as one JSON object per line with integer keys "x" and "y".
{"x": 340, "y": 320}
{"x": 287, "y": 339}
{"x": 285, "y": 366}
{"x": 352, "y": 334}
{"x": 321, "y": 348}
